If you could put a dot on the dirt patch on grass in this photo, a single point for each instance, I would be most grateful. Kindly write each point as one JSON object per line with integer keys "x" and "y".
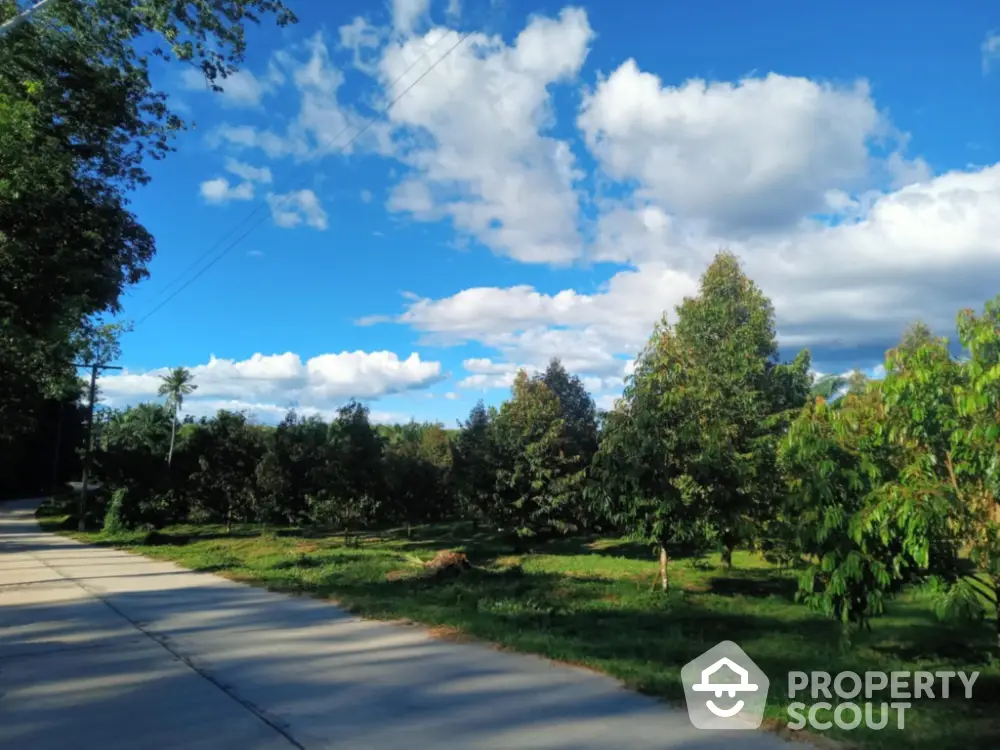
{"x": 449, "y": 633}
{"x": 446, "y": 561}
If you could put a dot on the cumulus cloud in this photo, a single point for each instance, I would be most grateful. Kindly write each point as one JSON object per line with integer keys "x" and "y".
{"x": 248, "y": 171}
{"x": 239, "y": 89}
{"x": 219, "y": 191}
{"x": 474, "y": 139}
{"x": 590, "y": 332}
{"x": 807, "y": 181}
{"x": 323, "y": 124}
{"x": 753, "y": 154}
{"x": 915, "y": 253}
{"x": 407, "y": 13}
{"x": 270, "y": 383}
{"x": 291, "y": 209}
{"x": 485, "y": 373}
{"x": 362, "y": 39}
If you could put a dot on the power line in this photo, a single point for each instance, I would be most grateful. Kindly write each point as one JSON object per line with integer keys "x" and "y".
{"x": 261, "y": 204}
{"x": 297, "y": 187}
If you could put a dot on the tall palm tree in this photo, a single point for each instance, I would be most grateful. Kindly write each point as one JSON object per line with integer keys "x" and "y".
{"x": 175, "y": 386}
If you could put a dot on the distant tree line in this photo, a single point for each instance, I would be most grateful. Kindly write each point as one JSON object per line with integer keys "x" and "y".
{"x": 715, "y": 443}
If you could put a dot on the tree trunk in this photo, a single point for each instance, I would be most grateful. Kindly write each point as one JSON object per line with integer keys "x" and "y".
{"x": 664, "y": 581}
{"x": 173, "y": 432}
{"x": 727, "y": 556}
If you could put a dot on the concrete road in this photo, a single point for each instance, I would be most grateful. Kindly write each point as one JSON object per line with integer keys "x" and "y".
{"x": 103, "y": 649}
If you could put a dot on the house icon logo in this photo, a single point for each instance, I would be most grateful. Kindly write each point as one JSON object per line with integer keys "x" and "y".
{"x": 725, "y": 689}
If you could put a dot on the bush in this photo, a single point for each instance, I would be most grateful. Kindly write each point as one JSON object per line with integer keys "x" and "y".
{"x": 115, "y": 521}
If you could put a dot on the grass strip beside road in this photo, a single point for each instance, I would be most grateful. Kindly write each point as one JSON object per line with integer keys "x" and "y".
{"x": 589, "y": 602}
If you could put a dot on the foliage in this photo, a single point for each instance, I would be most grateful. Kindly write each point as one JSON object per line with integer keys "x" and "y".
{"x": 691, "y": 450}
{"x": 130, "y": 455}
{"x": 78, "y": 120}
{"x": 417, "y": 461}
{"x": 350, "y": 485}
{"x": 473, "y": 478}
{"x": 743, "y": 393}
{"x": 836, "y": 461}
{"x": 175, "y": 385}
{"x": 713, "y": 441}
{"x": 115, "y": 520}
{"x": 222, "y": 487}
{"x": 640, "y": 472}
{"x": 539, "y": 480}
{"x": 947, "y": 413}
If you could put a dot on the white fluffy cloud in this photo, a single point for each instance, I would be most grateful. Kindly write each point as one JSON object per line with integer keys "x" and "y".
{"x": 291, "y": 209}
{"x": 220, "y": 191}
{"x": 920, "y": 252}
{"x": 248, "y": 171}
{"x": 322, "y": 126}
{"x": 591, "y": 333}
{"x": 807, "y": 181}
{"x": 407, "y": 13}
{"x": 271, "y": 383}
{"x": 240, "y": 89}
{"x": 757, "y": 153}
{"x": 473, "y": 138}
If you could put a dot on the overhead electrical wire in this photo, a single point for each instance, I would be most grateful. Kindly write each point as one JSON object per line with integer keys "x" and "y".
{"x": 284, "y": 199}
{"x": 361, "y": 131}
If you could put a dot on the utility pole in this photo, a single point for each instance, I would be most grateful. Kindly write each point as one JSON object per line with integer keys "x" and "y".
{"x": 24, "y": 15}
{"x": 94, "y": 368}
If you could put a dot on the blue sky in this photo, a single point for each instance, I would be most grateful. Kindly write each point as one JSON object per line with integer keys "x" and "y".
{"x": 554, "y": 184}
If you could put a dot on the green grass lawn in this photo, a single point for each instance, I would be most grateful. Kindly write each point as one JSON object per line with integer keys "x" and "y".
{"x": 589, "y": 602}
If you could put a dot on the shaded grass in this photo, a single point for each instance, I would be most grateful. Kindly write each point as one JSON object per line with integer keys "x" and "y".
{"x": 588, "y": 601}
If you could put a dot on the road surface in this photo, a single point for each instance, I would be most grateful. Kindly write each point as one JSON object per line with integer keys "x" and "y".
{"x": 103, "y": 649}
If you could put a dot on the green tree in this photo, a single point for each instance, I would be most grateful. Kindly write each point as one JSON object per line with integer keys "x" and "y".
{"x": 223, "y": 486}
{"x": 78, "y": 120}
{"x": 538, "y": 485}
{"x": 576, "y": 407}
{"x": 837, "y": 461}
{"x": 350, "y": 486}
{"x": 946, "y": 412}
{"x": 975, "y": 478}
{"x": 875, "y": 496}
{"x": 129, "y": 456}
{"x": 474, "y": 466}
{"x": 417, "y": 462}
{"x": 640, "y": 472}
{"x": 175, "y": 385}
{"x": 747, "y": 397}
